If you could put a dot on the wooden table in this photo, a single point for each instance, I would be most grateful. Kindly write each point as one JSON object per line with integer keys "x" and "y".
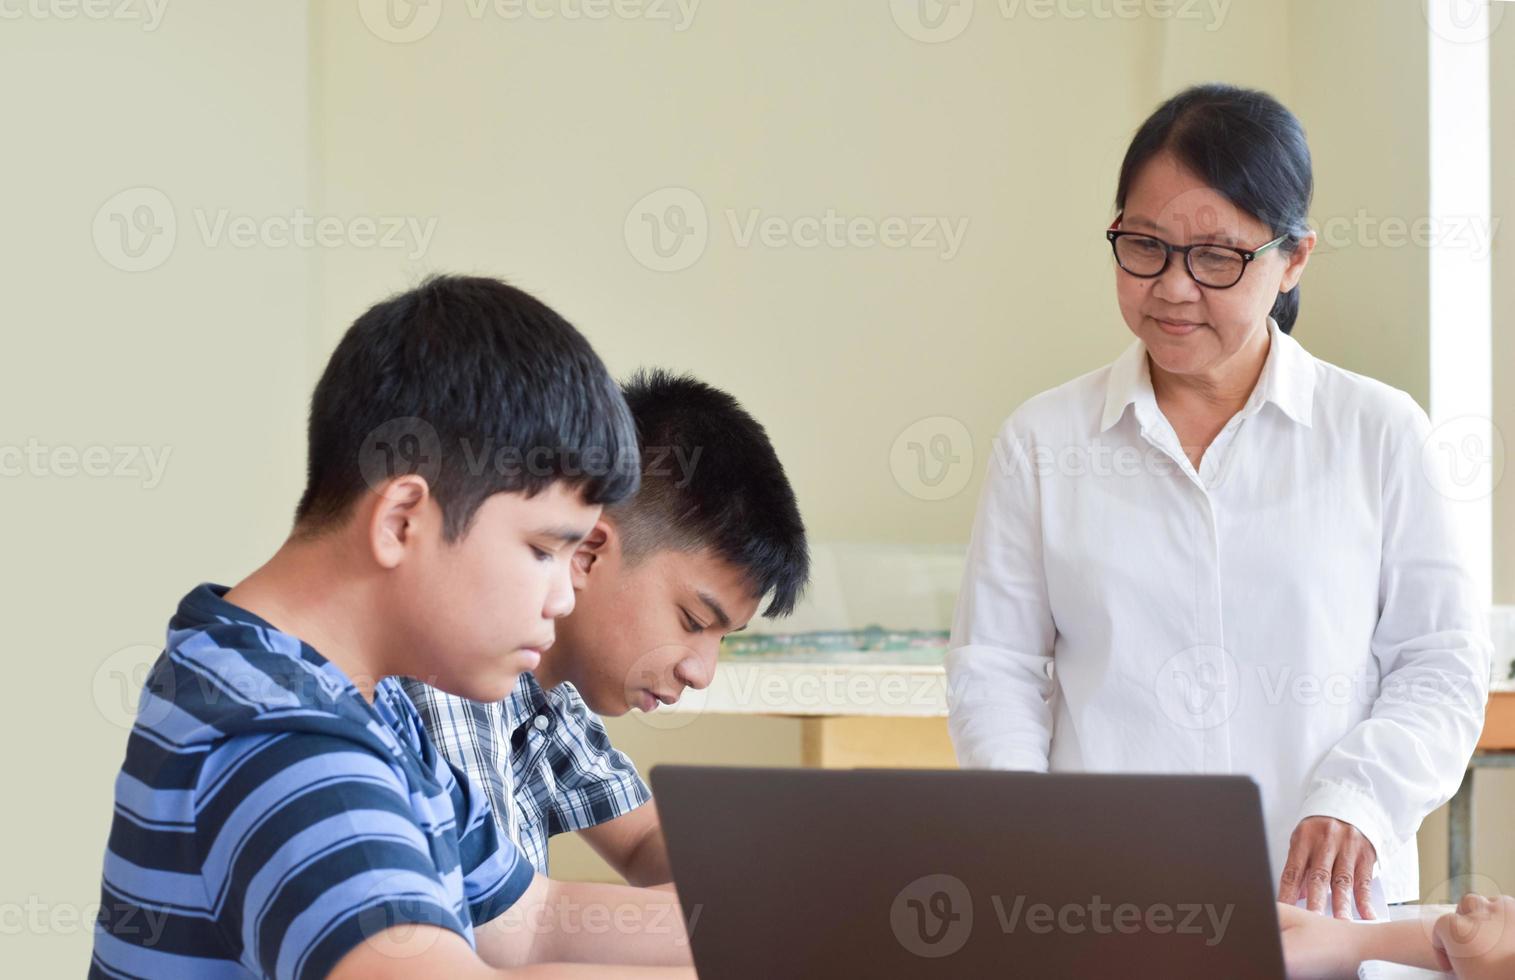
{"x": 889, "y": 711}
{"x": 1496, "y": 750}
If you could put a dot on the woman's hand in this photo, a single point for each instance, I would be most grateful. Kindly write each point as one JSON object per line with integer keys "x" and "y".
{"x": 1330, "y": 864}
{"x": 1318, "y": 947}
{"x": 1478, "y": 940}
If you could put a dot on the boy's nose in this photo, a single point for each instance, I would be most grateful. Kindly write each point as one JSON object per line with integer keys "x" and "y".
{"x": 560, "y": 596}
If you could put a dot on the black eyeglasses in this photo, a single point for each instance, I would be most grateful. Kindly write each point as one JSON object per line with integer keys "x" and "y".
{"x": 1212, "y": 266}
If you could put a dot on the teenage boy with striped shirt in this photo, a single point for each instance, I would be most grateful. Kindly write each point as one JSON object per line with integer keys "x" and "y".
{"x": 281, "y": 811}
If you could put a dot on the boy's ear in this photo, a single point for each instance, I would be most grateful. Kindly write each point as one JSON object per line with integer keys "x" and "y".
{"x": 602, "y": 541}
{"x": 395, "y": 519}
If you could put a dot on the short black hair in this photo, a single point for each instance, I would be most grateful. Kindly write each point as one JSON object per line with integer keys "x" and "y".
{"x": 710, "y": 479}
{"x": 474, "y": 384}
{"x": 1248, "y": 147}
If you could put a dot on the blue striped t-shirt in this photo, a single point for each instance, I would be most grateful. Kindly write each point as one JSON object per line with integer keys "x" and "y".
{"x": 268, "y": 819}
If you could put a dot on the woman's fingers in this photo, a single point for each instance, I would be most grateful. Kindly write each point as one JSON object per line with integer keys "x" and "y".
{"x": 1363, "y": 885}
{"x": 1318, "y": 878}
{"x": 1320, "y": 866}
{"x": 1344, "y": 884}
{"x": 1289, "y": 881}
{"x": 1330, "y": 866}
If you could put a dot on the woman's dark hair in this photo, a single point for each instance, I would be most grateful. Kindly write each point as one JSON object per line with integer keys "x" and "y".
{"x": 1245, "y": 145}
{"x": 476, "y": 385}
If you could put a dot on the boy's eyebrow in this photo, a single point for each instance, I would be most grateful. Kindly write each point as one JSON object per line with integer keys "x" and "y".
{"x": 715, "y": 609}
{"x": 567, "y": 535}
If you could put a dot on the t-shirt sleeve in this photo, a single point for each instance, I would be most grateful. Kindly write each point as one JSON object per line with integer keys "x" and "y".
{"x": 495, "y": 873}
{"x": 308, "y": 847}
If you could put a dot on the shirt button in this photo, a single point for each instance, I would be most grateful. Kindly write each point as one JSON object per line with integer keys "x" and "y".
{"x": 540, "y": 723}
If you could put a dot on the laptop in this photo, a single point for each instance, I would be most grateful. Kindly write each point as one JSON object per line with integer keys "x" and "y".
{"x": 798, "y": 873}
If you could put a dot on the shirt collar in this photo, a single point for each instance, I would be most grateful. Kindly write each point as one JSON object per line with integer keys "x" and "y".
{"x": 1287, "y": 380}
{"x": 206, "y": 605}
{"x": 206, "y": 609}
{"x": 527, "y": 701}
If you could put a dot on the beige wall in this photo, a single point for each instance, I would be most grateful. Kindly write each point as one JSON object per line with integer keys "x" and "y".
{"x": 1502, "y": 81}
{"x": 529, "y": 142}
{"x": 205, "y": 356}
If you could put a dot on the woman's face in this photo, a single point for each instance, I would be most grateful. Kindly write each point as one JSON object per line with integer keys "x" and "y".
{"x": 1190, "y": 329}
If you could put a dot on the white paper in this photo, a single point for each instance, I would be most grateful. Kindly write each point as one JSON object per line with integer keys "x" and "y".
{"x": 1381, "y": 970}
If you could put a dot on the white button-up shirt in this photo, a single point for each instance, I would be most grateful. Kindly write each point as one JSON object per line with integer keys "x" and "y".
{"x": 1298, "y": 610}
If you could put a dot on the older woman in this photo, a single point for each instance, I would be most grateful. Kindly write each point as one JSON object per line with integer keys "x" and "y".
{"x": 1219, "y": 554}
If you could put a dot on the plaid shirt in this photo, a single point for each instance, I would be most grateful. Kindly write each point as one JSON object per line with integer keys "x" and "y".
{"x": 562, "y": 773}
